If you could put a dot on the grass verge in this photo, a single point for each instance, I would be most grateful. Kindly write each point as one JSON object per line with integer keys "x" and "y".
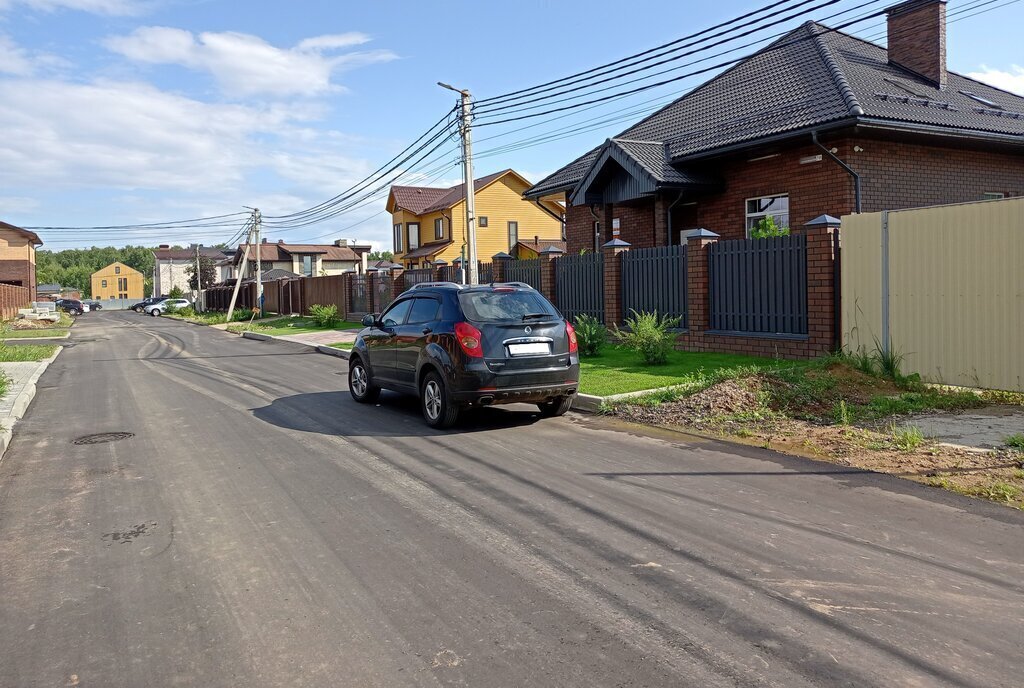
{"x": 347, "y": 346}
{"x": 290, "y": 326}
{"x": 20, "y": 353}
{"x": 617, "y": 371}
{"x": 32, "y": 334}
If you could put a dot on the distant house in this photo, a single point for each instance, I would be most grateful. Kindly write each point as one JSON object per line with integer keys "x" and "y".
{"x": 817, "y": 122}
{"x": 305, "y": 260}
{"x": 118, "y": 281}
{"x": 430, "y": 223}
{"x": 170, "y": 266}
{"x": 525, "y": 250}
{"x": 48, "y": 291}
{"x": 18, "y": 257}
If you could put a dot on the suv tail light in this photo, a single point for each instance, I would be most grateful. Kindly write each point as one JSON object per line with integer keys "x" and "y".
{"x": 469, "y": 339}
{"x": 570, "y": 332}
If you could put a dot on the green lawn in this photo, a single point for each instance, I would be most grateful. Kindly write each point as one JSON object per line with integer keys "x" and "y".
{"x": 25, "y": 352}
{"x": 32, "y": 334}
{"x": 617, "y": 370}
{"x": 290, "y": 326}
{"x": 341, "y": 345}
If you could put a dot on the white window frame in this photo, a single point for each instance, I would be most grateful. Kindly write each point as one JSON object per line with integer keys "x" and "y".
{"x": 511, "y": 224}
{"x": 439, "y": 228}
{"x": 413, "y": 230}
{"x": 399, "y": 246}
{"x": 993, "y": 195}
{"x": 747, "y": 216}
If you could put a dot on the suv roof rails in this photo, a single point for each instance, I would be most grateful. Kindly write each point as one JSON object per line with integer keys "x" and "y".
{"x": 434, "y": 285}
{"x": 520, "y": 285}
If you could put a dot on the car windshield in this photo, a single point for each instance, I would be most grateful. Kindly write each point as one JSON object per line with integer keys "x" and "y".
{"x": 504, "y": 306}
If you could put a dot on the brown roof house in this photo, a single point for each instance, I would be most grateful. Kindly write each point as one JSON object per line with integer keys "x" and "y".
{"x": 18, "y": 257}
{"x": 307, "y": 260}
{"x": 818, "y": 122}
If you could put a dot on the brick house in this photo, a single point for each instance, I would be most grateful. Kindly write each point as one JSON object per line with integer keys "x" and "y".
{"x": 817, "y": 122}
{"x": 18, "y": 257}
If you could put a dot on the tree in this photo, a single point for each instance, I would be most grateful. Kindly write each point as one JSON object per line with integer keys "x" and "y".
{"x": 381, "y": 255}
{"x": 207, "y": 269}
{"x": 766, "y": 228}
{"x": 176, "y": 293}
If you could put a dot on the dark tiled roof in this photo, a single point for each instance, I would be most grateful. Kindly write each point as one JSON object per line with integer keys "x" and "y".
{"x": 426, "y": 250}
{"x": 55, "y": 288}
{"x": 190, "y": 253}
{"x": 809, "y": 77}
{"x": 283, "y": 252}
{"x": 540, "y": 245}
{"x": 420, "y": 200}
{"x": 278, "y": 274}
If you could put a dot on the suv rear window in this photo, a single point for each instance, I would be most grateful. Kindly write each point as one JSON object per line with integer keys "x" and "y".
{"x": 503, "y": 306}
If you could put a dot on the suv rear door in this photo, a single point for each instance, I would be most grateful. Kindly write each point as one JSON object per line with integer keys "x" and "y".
{"x": 413, "y": 337}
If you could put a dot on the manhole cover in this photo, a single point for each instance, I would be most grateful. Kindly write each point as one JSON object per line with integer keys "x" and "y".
{"x": 103, "y": 437}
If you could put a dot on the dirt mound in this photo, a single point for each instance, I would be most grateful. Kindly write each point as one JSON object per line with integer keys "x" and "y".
{"x": 722, "y": 399}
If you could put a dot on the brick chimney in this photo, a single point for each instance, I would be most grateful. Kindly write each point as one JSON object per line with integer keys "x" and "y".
{"x": 917, "y": 38}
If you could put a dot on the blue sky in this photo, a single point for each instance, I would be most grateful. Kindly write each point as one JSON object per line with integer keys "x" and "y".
{"x": 127, "y": 111}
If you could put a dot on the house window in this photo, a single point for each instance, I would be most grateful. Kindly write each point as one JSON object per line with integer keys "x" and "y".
{"x": 117, "y": 269}
{"x": 103, "y": 284}
{"x": 992, "y": 195}
{"x": 398, "y": 239}
{"x": 482, "y": 221}
{"x": 414, "y": 235}
{"x": 775, "y": 207}
{"x": 307, "y": 266}
{"x": 439, "y": 228}
{"x": 513, "y": 234}
{"x": 122, "y": 284}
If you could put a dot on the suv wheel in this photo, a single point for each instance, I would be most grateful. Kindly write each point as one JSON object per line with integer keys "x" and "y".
{"x": 438, "y": 411}
{"x": 359, "y": 385}
{"x": 138, "y": 309}
{"x": 155, "y": 312}
{"x": 556, "y": 407}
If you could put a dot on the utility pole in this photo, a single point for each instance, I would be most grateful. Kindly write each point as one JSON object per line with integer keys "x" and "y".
{"x": 199, "y": 282}
{"x": 257, "y": 219}
{"x": 467, "y": 176}
{"x": 241, "y": 270}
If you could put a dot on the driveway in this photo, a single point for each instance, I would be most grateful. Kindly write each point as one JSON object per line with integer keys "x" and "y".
{"x": 261, "y": 529}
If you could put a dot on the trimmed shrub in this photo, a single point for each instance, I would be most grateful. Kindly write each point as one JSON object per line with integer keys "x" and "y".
{"x": 591, "y": 335}
{"x": 767, "y": 229}
{"x": 648, "y": 334}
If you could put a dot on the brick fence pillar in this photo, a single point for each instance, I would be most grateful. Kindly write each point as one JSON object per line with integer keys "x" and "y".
{"x": 823, "y": 326}
{"x": 613, "y": 251}
{"x": 499, "y": 261}
{"x": 547, "y": 272}
{"x": 660, "y": 221}
{"x": 698, "y": 318}
{"x": 397, "y": 282}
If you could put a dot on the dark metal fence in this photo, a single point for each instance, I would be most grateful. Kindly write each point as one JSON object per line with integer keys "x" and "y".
{"x": 526, "y": 271}
{"x": 654, "y": 280}
{"x": 579, "y": 285}
{"x": 759, "y": 285}
{"x": 382, "y": 291}
{"x": 486, "y": 272}
{"x": 414, "y": 277}
{"x": 361, "y": 295}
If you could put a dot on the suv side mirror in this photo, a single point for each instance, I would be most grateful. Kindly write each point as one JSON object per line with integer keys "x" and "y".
{"x": 368, "y": 320}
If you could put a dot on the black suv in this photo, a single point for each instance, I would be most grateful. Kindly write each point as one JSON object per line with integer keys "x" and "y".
{"x": 70, "y": 306}
{"x": 461, "y": 346}
{"x": 149, "y": 300}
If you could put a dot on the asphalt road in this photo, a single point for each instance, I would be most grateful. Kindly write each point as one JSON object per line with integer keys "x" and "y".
{"x": 261, "y": 529}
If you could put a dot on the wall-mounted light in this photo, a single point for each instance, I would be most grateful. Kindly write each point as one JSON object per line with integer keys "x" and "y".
{"x": 808, "y": 159}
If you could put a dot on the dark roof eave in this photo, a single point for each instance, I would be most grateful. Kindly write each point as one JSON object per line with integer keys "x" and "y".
{"x": 758, "y": 142}
{"x": 534, "y": 192}
{"x": 1014, "y": 140}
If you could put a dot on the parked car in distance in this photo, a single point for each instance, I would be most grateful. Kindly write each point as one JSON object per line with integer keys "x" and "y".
{"x": 71, "y": 306}
{"x": 148, "y": 301}
{"x": 93, "y": 305}
{"x": 459, "y": 346}
{"x": 160, "y": 307}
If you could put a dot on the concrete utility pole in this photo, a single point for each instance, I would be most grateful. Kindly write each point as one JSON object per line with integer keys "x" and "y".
{"x": 199, "y": 282}
{"x": 467, "y": 176}
{"x": 241, "y": 270}
{"x": 257, "y": 219}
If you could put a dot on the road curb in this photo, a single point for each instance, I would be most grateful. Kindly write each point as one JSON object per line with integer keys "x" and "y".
{"x": 258, "y": 336}
{"x": 331, "y": 351}
{"x": 22, "y": 402}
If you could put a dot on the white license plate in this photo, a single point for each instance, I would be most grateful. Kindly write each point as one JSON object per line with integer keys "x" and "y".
{"x": 533, "y": 349}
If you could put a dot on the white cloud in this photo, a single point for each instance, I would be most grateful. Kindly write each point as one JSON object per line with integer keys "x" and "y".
{"x": 1011, "y": 80}
{"x": 9, "y": 205}
{"x": 111, "y": 7}
{"x": 246, "y": 65}
{"x": 13, "y": 59}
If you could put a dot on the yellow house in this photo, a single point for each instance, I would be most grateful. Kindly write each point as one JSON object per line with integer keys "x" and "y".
{"x": 117, "y": 281}
{"x": 429, "y": 224}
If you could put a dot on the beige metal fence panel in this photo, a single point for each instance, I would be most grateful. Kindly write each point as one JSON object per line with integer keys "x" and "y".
{"x": 955, "y": 297}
